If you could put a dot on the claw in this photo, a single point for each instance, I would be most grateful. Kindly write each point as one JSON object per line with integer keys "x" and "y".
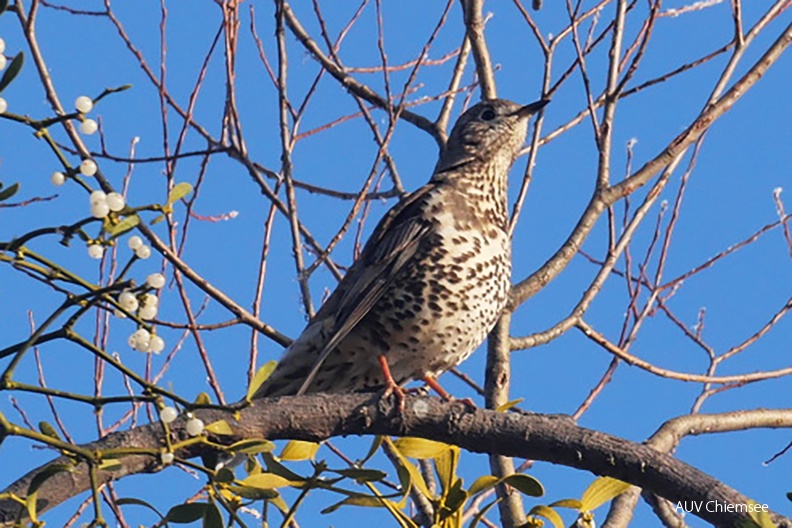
{"x": 391, "y": 387}
{"x": 429, "y": 380}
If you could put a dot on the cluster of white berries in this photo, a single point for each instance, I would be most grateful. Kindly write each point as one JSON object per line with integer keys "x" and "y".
{"x": 142, "y": 251}
{"x": 146, "y": 305}
{"x": 3, "y": 61}
{"x": 84, "y": 104}
{"x": 102, "y": 203}
{"x": 194, "y": 426}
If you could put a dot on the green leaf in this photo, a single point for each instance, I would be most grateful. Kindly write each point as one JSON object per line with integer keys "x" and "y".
{"x": 212, "y": 517}
{"x": 179, "y": 191}
{"x": 3, "y": 6}
{"x": 297, "y": 450}
{"x": 376, "y": 443}
{"x": 525, "y": 484}
{"x": 252, "y": 447}
{"x": 138, "y": 502}
{"x": 186, "y": 513}
{"x": 273, "y": 466}
{"x": 47, "y": 429}
{"x": 409, "y": 475}
{"x": 224, "y": 475}
{"x": 760, "y": 516}
{"x": 12, "y": 71}
{"x": 548, "y": 513}
{"x": 129, "y": 222}
{"x": 220, "y": 427}
{"x": 157, "y": 220}
{"x": 362, "y": 475}
{"x": 420, "y": 447}
{"x": 9, "y": 191}
{"x": 601, "y": 491}
{"x": 261, "y": 376}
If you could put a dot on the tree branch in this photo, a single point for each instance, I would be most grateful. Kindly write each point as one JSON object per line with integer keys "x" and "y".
{"x": 319, "y": 417}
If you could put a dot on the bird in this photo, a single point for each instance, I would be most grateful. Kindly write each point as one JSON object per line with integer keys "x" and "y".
{"x": 430, "y": 282}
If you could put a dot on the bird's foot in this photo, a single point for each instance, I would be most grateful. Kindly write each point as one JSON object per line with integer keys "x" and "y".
{"x": 431, "y": 382}
{"x": 391, "y": 387}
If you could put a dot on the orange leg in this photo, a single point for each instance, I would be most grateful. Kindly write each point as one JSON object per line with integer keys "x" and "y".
{"x": 391, "y": 387}
{"x": 429, "y": 380}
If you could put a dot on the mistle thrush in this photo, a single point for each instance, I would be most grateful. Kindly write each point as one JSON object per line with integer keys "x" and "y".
{"x": 431, "y": 281}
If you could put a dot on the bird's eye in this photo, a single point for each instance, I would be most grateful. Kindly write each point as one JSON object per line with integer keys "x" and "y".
{"x": 488, "y": 114}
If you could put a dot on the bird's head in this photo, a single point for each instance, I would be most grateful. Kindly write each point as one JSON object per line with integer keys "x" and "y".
{"x": 492, "y": 130}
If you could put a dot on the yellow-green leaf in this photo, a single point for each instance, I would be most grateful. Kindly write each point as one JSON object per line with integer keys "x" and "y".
{"x": 573, "y": 504}
{"x": 601, "y": 491}
{"x": 548, "y": 513}
{"x": 252, "y": 447}
{"x": 202, "y": 399}
{"x": 446, "y": 464}
{"x": 110, "y": 465}
{"x": 420, "y": 447}
{"x": 508, "y": 405}
{"x": 129, "y": 222}
{"x": 411, "y": 472}
{"x": 179, "y": 191}
{"x": 476, "y": 519}
{"x": 273, "y": 466}
{"x": 212, "y": 518}
{"x": 483, "y": 483}
{"x": 220, "y": 427}
{"x": 261, "y": 376}
{"x": 266, "y": 481}
{"x": 254, "y": 493}
{"x": 297, "y": 450}
{"x": 760, "y": 516}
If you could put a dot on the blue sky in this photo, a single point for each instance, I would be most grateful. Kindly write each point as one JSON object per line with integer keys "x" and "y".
{"x": 728, "y": 198}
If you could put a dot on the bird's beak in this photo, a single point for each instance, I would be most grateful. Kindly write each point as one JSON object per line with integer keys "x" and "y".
{"x": 530, "y": 109}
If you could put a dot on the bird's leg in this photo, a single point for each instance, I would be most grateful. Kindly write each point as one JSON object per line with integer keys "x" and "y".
{"x": 391, "y": 387}
{"x": 429, "y": 380}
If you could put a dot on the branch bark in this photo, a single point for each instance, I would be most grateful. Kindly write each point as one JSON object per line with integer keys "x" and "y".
{"x": 554, "y": 439}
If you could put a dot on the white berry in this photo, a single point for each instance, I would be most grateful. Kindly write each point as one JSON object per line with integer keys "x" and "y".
{"x": 3, "y": 62}
{"x": 150, "y": 299}
{"x": 83, "y": 104}
{"x": 3, "y": 104}
{"x": 134, "y": 242}
{"x": 58, "y": 178}
{"x": 95, "y": 251}
{"x": 100, "y": 210}
{"x": 139, "y": 340}
{"x": 88, "y": 127}
{"x": 156, "y": 344}
{"x": 166, "y": 458}
{"x": 128, "y": 300}
{"x": 143, "y": 252}
{"x": 156, "y": 280}
{"x": 147, "y": 313}
{"x": 115, "y": 201}
{"x": 168, "y": 414}
{"x": 88, "y": 167}
{"x": 97, "y": 197}
{"x": 194, "y": 426}
{"x": 2, "y": 45}
{"x": 118, "y": 313}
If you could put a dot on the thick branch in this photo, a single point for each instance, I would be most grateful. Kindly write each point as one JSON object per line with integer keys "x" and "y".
{"x": 554, "y": 439}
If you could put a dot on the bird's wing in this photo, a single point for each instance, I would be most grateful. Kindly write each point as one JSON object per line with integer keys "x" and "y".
{"x": 392, "y": 244}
